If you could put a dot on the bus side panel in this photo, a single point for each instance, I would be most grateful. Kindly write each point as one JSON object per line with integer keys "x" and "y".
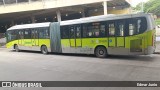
{"x": 44, "y": 42}
{"x": 27, "y": 43}
{"x": 89, "y": 44}
{"x": 120, "y": 42}
{"x": 65, "y": 45}
{"x": 136, "y": 44}
{"x": 11, "y": 44}
{"x": 150, "y": 37}
{"x": 112, "y": 42}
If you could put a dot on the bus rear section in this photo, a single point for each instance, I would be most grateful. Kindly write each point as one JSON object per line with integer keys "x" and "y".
{"x": 138, "y": 38}
{"x": 130, "y": 35}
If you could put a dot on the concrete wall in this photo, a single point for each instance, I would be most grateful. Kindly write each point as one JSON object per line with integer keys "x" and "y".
{"x": 157, "y": 31}
{"x": 123, "y": 11}
{"x": 100, "y": 12}
{"x": 21, "y": 7}
{"x": 44, "y": 4}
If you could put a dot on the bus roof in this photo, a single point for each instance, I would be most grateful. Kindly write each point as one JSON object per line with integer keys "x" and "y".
{"x": 78, "y": 21}
{"x": 101, "y": 18}
{"x": 33, "y": 25}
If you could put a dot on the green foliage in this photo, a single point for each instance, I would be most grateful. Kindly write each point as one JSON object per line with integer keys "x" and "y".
{"x": 138, "y": 7}
{"x": 158, "y": 21}
{"x": 152, "y": 6}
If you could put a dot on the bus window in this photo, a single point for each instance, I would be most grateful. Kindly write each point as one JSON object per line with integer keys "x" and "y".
{"x": 137, "y": 25}
{"x": 43, "y": 33}
{"x": 11, "y": 35}
{"x": 142, "y": 25}
{"x": 102, "y": 31}
{"x": 132, "y": 29}
{"x": 132, "y": 26}
{"x": 64, "y": 32}
{"x": 120, "y": 28}
{"x": 34, "y": 33}
{"x": 78, "y": 33}
{"x": 46, "y": 33}
{"x": 72, "y": 34}
{"x": 96, "y": 29}
{"x": 27, "y": 34}
{"x": 21, "y": 34}
{"x": 93, "y": 30}
{"x": 111, "y": 29}
{"x": 89, "y": 31}
{"x": 85, "y": 30}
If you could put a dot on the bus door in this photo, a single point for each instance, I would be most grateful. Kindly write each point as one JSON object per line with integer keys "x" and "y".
{"x": 112, "y": 39}
{"x": 35, "y": 40}
{"x": 116, "y": 34}
{"x": 120, "y": 29}
{"x": 75, "y": 36}
{"x": 21, "y": 37}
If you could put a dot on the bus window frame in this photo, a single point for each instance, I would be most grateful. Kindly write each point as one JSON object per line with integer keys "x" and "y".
{"x": 63, "y": 30}
{"x": 118, "y": 22}
{"x": 29, "y": 34}
{"x": 111, "y": 22}
{"x": 143, "y": 22}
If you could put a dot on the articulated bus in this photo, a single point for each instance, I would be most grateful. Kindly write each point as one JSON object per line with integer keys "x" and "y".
{"x": 131, "y": 34}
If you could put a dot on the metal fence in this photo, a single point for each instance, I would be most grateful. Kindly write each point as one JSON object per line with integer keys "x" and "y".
{"x": 4, "y": 2}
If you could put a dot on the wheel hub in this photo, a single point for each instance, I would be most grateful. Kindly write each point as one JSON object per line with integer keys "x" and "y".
{"x": 101, "y": 52}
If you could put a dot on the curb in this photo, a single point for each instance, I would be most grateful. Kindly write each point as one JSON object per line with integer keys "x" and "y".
{"x": 156, "y": 53}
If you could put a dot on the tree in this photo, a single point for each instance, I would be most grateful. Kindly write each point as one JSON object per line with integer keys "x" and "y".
{"x": 152, "y": 6}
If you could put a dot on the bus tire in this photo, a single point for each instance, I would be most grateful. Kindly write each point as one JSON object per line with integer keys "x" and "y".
{"x": 44, "y": 50}
{"x": 16, "y": 48}
{"x": 101, "y": 52}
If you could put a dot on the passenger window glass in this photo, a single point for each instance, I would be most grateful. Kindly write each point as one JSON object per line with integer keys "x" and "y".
{"x": 111, "y": 29}
{"x": 102, "y": 31}
{"x": 132, "y": 29}
{"x": 89, "y": 33}
{"x": 93, "y": 30}
{"x": 64, "y": 32}
{"x": 32, "y": 33}
{"x": 46, "y": 32}
{"x": 137, "y": 26}
{"x": 78, "y": 35}
{"x": 43, "y": 33}
{"x": 85, "y": 31}
{"x": 21, "y": 32}
{"x": 27, "y": 34}
{"x": 11, "y": 35}
{"x": 121, "y": 29}
{"x": 72, "y": 32}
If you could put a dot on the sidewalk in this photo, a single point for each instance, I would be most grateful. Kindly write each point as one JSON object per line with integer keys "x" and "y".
{"x": 157, "y": 47}
{"x": 157, "y": 31}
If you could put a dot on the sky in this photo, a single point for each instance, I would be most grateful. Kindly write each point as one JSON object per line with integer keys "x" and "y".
{"x": 135, "y": 2}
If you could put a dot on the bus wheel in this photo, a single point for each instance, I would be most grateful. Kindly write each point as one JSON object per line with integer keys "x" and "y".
{"x": 16, "y": 48}
{"x": 44, "y": 50}
{"x": 101, "y": 52}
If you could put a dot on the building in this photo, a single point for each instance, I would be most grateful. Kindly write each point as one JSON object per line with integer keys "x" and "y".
{"x": 13, "y": 12}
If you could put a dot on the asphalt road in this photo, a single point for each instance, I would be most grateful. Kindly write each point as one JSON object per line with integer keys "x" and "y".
{"x": 33, "y": 66}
